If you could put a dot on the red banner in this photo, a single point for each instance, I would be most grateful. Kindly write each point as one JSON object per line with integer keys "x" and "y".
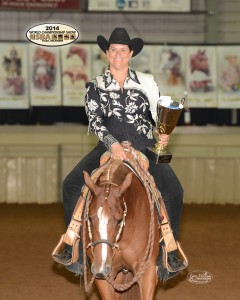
{"x": 40, "y": 4}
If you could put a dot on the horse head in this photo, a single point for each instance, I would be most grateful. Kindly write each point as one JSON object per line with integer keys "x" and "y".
{"x": 80, "y": 52}
{"x": 199, "y": 62}
{"x": 106, "y": 219}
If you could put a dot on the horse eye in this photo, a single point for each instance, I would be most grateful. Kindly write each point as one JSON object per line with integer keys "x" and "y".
{"x": 119, "y": 221}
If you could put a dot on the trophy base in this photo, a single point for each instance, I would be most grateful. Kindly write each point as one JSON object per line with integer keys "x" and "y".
{"x": 164, "y": 157}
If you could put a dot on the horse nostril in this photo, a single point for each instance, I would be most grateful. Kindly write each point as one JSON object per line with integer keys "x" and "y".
{"x": 107, "y": 271}
{"x": 101, "y": 274}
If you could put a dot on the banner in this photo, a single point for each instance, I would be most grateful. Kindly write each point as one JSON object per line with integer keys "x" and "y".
{"x": 201, "y": 76}
{"x": 45, "y": 85}
{"x": 170, "y": 69}
{"x": 76, "y": 72}
{"x": 228, "y": 61}
{"x": 14, "y": 76}
{"x": 64, "y": 5}
{"x": 140, "y": 5}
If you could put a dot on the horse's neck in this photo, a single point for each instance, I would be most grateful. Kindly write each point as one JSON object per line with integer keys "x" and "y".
{"x": 115, "y": 173}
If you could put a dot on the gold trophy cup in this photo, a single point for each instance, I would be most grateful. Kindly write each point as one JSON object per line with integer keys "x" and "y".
{"x": 168, "y": 113}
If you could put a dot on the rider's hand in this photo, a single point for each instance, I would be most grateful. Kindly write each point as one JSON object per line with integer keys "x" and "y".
{"x": 118, "y": 151}
{"x": 163, "y": 139}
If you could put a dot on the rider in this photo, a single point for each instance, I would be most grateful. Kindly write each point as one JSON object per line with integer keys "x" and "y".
{"x": 121, "y": 106}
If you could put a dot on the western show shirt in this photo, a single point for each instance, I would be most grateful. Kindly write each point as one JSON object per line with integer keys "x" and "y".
{"x": 117, "y": 115}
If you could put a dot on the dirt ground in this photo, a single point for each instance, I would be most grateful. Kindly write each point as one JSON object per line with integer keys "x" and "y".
{"x": 209, "y": 236}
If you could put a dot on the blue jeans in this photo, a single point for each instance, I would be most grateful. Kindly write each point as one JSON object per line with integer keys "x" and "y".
{"x": 165, "y": 179}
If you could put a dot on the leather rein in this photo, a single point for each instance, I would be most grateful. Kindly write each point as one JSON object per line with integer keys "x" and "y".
{"x": 149, "y": 248}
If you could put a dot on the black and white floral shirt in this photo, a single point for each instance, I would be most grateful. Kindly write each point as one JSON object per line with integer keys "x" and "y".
{"x": 117, "y": 115}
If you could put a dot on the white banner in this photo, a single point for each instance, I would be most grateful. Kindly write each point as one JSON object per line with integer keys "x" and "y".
{"x": 228, "y": 62}
{"x": 140, "y": 5}
{"x": 13, "y": 76}
{"x": 201, "y": 76}
{"x": 45, "y": 84}
{"x": 76, "y": 72}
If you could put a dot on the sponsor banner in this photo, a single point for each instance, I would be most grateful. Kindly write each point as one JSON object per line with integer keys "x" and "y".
{"x": 13, "y": 76}
{"x": 201, "y": 76}
{"x": 76, "y": 72}
{"x": 52, "y": 34}
{"x": 140, "y": 5}
{"x": 45, "y": 84}
{"x": 40, "y": 4}
{"x": 170, "y": 69}
{"x": 228, "y": 62}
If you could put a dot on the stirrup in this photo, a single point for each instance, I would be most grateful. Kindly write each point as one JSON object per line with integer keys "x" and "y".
{"x": 184, "y": 263}
{"x": 75, "y": 251}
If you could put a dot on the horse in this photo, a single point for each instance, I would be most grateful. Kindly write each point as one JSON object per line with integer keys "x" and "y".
{"x": 12, "y": 64}
{"x": 121, "y": 236}
{"x": 199, "y": 61}
{"x": 14, "y": 86}
{"x": 75, "y": 73}
{"x": 45, "y": 55}
{"x": 79, "y": 51}
{"x": 200, "y": 72}
{"x": 173, "y": 68}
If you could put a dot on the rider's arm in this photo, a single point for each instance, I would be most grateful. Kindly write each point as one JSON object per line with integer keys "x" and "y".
{"x": 95, "y": 117}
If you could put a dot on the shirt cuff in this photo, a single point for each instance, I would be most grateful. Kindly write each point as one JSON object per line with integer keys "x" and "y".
{"x": 109, "y": 140}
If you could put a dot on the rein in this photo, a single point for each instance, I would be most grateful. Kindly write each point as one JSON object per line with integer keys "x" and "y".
{"x": 137, "y": 169}
{"x": 133, "y": 164}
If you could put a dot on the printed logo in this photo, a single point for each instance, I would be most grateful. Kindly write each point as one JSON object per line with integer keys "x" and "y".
{"x": 52, "y": 34}
{"x": 200, "y": 277}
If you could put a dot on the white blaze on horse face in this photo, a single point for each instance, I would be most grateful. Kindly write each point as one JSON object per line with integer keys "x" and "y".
{"x": 103, "y": 222}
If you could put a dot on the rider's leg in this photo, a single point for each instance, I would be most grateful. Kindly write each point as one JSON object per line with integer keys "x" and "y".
{"x": 72, "y": 186}
{"x": 172, "y": 193}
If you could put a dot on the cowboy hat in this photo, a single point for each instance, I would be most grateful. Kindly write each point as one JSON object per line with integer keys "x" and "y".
{"x": 120, "y": 36}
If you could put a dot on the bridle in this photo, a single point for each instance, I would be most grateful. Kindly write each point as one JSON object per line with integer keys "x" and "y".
{"x": 112, "y": 245}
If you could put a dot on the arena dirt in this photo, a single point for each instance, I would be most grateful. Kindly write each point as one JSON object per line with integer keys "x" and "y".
{"x": 209, "y": 236}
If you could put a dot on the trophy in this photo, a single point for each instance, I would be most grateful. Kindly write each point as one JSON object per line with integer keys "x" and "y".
{"x": 168, "y": 112}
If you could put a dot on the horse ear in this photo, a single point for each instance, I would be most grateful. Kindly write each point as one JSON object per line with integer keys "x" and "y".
{"x": 126, "y": 183}
{"x": 89, "y": 182}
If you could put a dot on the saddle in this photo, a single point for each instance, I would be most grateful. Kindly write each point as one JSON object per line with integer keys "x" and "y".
{"x": 138, "y": 163}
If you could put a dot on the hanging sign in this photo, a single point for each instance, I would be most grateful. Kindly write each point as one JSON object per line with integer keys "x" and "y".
{"x": 140, "y": 5}
{"x": 40, "y": 4}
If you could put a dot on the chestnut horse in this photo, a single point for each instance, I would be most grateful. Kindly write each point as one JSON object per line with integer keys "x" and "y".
{"x": 121, "y": 234}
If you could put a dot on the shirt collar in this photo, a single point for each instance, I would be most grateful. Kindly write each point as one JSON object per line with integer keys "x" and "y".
{"x": 108, "y": 77}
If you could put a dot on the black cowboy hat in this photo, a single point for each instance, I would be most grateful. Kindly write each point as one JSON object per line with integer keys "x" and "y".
{"x": 120, "y": 36}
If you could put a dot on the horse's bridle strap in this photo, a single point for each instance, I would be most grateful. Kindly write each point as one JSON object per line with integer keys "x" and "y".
{"x": 102, "y": 241}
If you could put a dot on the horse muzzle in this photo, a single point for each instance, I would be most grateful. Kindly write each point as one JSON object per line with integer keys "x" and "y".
{"x": 102, "y": 272}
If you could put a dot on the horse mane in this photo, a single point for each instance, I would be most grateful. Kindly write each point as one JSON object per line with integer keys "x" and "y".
{"x": 111, "y": 174}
